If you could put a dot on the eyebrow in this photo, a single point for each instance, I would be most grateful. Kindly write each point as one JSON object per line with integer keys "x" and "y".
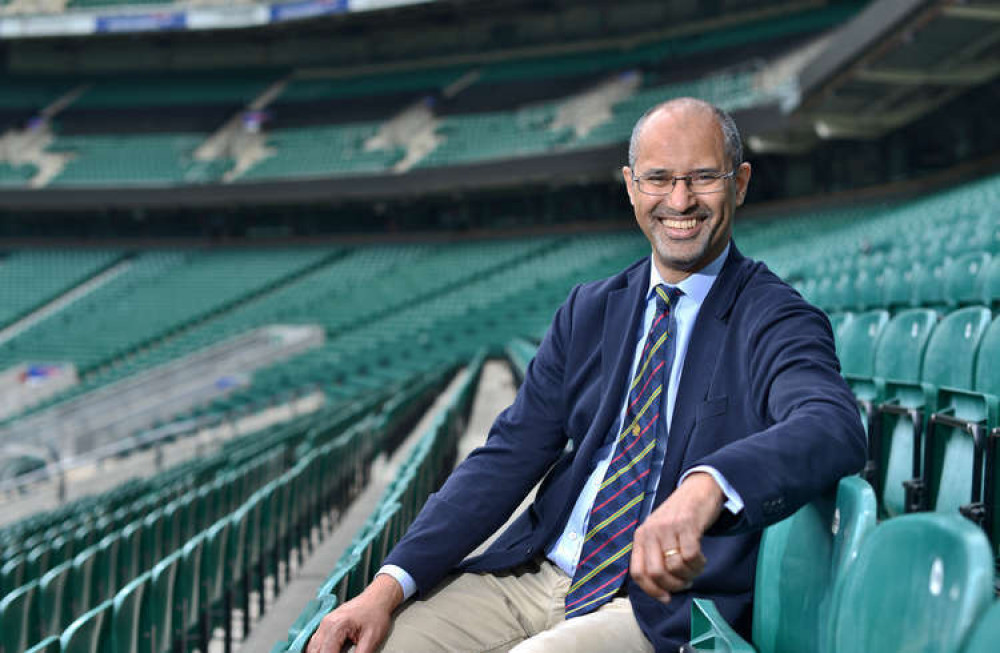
{"x": 665, "y": 171}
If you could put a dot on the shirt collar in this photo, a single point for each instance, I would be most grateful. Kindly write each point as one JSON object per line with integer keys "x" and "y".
{"x": 696, "y": 286}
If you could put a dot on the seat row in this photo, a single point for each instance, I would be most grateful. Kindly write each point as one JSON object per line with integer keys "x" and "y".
{"x": 972, "y": 278}
{"x": 161, "y": 557}
{"x": 927, "y": 387}
{"x": 829, "y": 580}
{"x": 421, "y": 473}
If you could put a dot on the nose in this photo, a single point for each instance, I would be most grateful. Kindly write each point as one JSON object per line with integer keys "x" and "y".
{"x": 680, "y": 198}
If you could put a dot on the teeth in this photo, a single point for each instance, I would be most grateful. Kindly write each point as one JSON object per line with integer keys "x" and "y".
{"x": 681, "y": 224}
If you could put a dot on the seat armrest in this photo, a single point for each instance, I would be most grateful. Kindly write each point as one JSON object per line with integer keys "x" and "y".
{"x": 711, "y": 632}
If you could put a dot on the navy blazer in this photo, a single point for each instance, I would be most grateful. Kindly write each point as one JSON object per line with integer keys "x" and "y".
{"x": 761, "y": 399}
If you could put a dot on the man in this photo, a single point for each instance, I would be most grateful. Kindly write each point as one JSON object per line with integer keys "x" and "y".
{"x": 637, "y": 513}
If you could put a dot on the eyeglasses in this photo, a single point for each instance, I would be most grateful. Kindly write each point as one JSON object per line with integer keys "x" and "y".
{"x": 699, "y": 183}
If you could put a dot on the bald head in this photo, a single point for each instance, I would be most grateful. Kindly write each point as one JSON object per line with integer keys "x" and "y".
{"x": 732, "y": 144}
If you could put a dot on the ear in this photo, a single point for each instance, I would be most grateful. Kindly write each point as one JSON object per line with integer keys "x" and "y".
{"x": 627, "y": 176}
{"x": 742, "y": 179}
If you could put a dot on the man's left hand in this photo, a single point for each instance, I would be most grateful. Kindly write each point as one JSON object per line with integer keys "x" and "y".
{"x": 666, "y": 550}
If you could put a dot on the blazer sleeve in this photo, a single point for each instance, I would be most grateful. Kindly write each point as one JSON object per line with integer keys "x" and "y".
{"x": 486, "y": 488}
{"x": 812, "y": 433}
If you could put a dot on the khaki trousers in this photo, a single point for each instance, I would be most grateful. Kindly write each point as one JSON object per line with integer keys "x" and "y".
{"x": 520, "y": 611}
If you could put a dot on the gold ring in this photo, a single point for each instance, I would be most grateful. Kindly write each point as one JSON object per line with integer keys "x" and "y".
{"x": 670, "y": 552}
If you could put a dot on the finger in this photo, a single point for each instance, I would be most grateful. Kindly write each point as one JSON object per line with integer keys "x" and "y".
{"x": 368, "y": 642}
{"x": 689, "y": 542}
{"x": 650, "y": 572}
{"x": 333, "y": 636}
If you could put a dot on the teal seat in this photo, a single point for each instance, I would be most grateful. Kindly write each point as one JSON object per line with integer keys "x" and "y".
{"x": 12, "y": 574}
{"x": 81, "y": 590}
{"x": 52, "y": 600}
{"x": 106, "y": 567}
{"x": 130, "y": 555}
{"x": 919, "y": 583}
{"x": 322, "y": 607}
{"x": 90, "y": 633}
{"x": 129, "y": 615}
{"x": 801, "y": 559}
{"x": 159, "y": 615}
{"x": 966, "y": 279}
{"x": 858, "y": 341}
{"x": 213, "y": 578}
{"x": 187, "y": 591}
{"x": 899, "y": 355}
{"x": 986, "y": 633}
{"x": 17, "y": 614}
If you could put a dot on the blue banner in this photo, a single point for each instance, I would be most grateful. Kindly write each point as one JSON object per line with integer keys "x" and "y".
{"x": 306, "y": 9}
{"x": 153, "y": 22}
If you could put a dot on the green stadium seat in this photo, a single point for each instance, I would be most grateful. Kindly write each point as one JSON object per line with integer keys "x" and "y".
{"x": 90, "y": 633}
{"x": 948, "y": 363}
{"x": 800, "y": 562}
{"x": 81, "y": 588}
{"x": 187, "y": 592}
{"x": 858, "y": 341}
{"x": 897, "y": 287}
{"x": 12, "y": 574}
{"x": 159, "y": 615}
{"x": 991, "y": 282}
{"x": 106, "y": 567}
{"x": 966, "y": 279}
{"x": 53, "y": 601}
{"x": 213, "y": 577}
{"x": 130, "y": 554}
{"x": 153, "y": 547}
{"x": 18, "y": 628}
{"x": 986, "y": 632}
{"x": 129, "y": 616}
{"x": 321, "y": 607}
{"x": 899, "y": 355}
{"x": 919, "y": 583}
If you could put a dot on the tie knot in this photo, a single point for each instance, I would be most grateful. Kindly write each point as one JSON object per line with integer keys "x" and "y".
{"x": 666, "y": 296}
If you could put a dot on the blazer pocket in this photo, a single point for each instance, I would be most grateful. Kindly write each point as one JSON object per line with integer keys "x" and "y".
{"x": 712, "y": 408}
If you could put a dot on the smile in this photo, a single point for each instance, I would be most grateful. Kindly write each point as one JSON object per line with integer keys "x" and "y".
{"x": 674, "y": 223}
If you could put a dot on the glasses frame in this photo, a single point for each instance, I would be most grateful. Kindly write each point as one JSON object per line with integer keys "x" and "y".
{"x": 686, "y": 178}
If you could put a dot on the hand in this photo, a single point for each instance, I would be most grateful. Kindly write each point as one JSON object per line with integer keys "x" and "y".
{"x": 675, "y": 528}
{"x": 364, "y": 620}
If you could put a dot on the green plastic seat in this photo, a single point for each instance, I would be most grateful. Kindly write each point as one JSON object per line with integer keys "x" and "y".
{"x": 129, "y": 616}
{"x": 858, "y": 341}
{"x": 187, "y": 591}
{"x": 213, "y": 578}
{"x": 898, "y": 355}
{"x": 106, "y": 567}
{"x": 919, "y": 583}
{"x": 12, "y": 574}
{"x": 90, "y": 633}
{"x": 152, "y": 548}
{"x": 986, "y": 632}
{"x": 53, "y": 600}
{"x": 966, "y": 279}
{"x": 17, "y": 614}
{"x": 800, "y": 562}
{"x": 159, "y": 615}
{"x": 991, "y": 283}
{"x": 322, "y": 607}
{"x": 130, "y": 555}
{"x": 81, "y": 589}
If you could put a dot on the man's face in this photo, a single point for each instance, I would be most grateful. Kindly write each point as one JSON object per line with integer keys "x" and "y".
{"x": 687, "y": 230}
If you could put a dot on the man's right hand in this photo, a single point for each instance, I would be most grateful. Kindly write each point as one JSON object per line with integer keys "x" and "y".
{"x": 364, "y": 620}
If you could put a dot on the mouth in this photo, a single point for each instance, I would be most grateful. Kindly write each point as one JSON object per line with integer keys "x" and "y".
{"x": 681, "y": 227}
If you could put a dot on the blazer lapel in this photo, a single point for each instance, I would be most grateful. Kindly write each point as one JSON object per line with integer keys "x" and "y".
{"x": 621, "y": 319}
{"x": 700, "y": 363}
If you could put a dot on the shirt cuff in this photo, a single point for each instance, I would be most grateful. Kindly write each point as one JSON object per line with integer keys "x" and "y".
{"x": 404, "y": 579}
{"x": 734, "y": 502}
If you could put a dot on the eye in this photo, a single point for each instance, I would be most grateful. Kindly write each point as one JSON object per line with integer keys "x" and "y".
{"x": 657, "y": 181}
{"x": 703, "y": 178}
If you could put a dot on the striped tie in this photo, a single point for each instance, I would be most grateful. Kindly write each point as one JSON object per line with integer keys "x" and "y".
{"x": 608, "y": 544}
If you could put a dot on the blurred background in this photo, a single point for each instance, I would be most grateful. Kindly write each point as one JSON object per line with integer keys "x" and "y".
{"x": 251, "y": 251}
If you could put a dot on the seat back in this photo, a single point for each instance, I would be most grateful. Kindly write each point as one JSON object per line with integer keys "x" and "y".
{"x": 129, "y": 615}
{"x": 919, "y": 583}
{"x": 900, "y": 352}
{"x": 12, "y": 574}
{"x": 991, "y": 283}
{"x": 129, "y": 562}
{"x": 159, "y": 615}
{"x": 17, "y": 609}
{"x": 48, "y": 645}
{"x": 987, "y": 375}
{"x": 858, "y": 341}
{"x": 799, "y": 562}
{"x": 951, "y": 352}
{"x": 187, "y": 590}
{"x": 214, "y": 563}
{"x": 966, "y": 278}
{"x": 81, "y": 591}
{"x": 106, "y": 567}
{"x": 52, "y": 599}
{"x": 90, "y": 633}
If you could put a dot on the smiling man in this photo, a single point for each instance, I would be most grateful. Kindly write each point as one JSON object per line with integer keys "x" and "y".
{"x": 672, "y": 411}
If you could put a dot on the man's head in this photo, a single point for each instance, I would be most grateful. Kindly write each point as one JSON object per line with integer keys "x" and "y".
{"x": 688, "y": 222}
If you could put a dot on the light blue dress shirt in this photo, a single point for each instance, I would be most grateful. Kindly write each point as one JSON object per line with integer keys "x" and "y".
{"x": 565, "y": 551}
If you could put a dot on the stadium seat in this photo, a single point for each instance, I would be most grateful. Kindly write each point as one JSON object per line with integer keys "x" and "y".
{"x": 986, "y": 632}
{"x": 161, "y": 604}
{"x": 213, "y": 577}
{"x": 106, "y": 568}
{"x": 187, "y": 593}
{"x": 949, "y": 362}
{"x": 919, "y": 583}
{"x": 899, "y": 355}
{"x": 130, "y": 615}
{"x": 966, "y": 279}
{"x": 12, "y": 574}
{"x": 17, "y": 617}
{"x": 48, "y": 645}
{"x": 800, "y": 562}
{"x": 991, "y": 282}
{"x": 81, "y": 586}
{"x": 90, "y": 633}
{"x": 53, "y": 600}
{"x": 858, "y": 342}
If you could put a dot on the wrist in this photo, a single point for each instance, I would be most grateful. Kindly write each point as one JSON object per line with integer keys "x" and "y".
{"x": 386, "y": 591}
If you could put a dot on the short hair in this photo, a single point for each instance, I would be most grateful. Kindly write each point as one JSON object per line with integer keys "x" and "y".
{"x": 732, "y": 143}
